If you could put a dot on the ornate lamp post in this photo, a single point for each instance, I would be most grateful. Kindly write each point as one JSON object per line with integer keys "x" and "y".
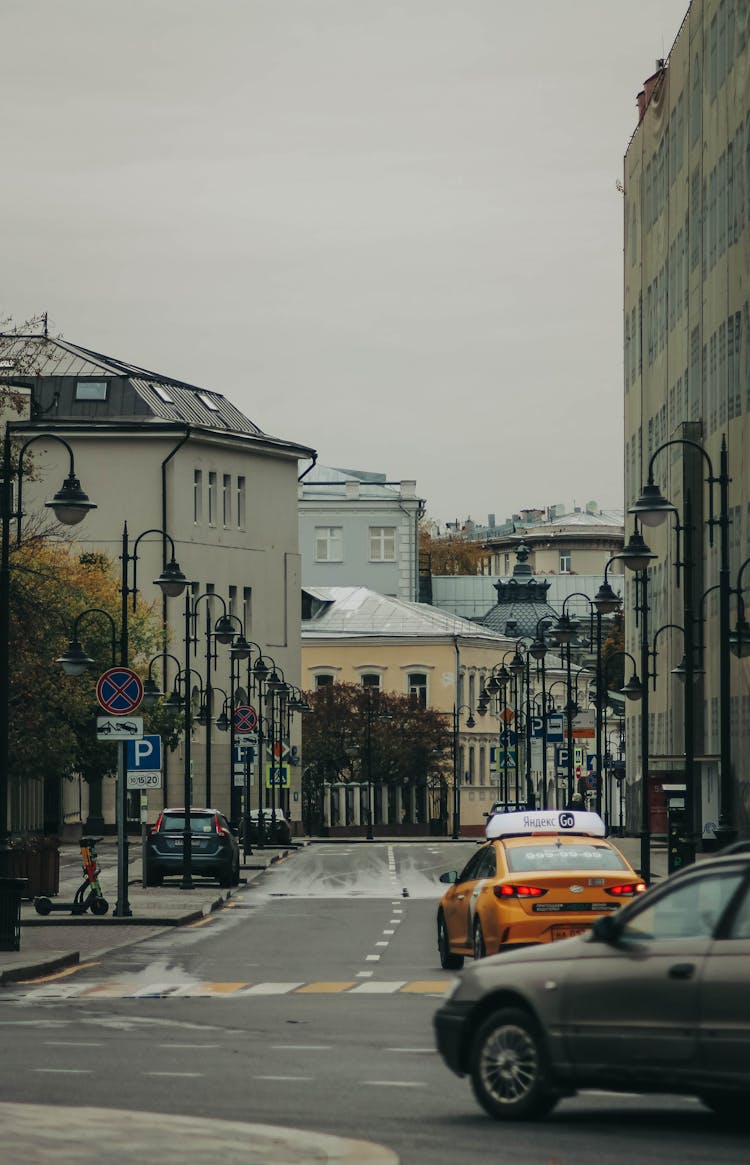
{"x": 70, "y": 505}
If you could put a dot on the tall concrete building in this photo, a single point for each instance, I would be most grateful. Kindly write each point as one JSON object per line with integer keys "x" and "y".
{"x": 686, "y": 391}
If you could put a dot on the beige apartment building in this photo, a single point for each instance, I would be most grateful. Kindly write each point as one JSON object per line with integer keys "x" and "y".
{"x": 686, "y": 391}
{"x": 162, "y": 455}
{"x": 354, "y": 635}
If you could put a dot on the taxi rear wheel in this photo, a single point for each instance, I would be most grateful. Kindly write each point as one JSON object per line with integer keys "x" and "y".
{"x": 480, "y": 950}
{"x": 507, "y": 1063}
{"x": 448, "y": 961}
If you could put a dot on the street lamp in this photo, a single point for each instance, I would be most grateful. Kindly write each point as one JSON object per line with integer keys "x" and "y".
{"x": 70, "y": 505}
{"x": 470, "y": 723}
{"x": 652, "y": 508}
{"x": 637, "y": 556}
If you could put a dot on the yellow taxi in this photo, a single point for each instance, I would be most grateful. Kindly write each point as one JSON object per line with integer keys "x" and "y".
{"x": 540, "y": 876}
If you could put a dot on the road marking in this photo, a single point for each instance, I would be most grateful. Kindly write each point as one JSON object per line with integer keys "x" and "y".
{"x": 65, "y": 1071}
{"x": 122, "y": 989}
{"x": 371, "y": 958}
{"x": 283, "y": 1079}
{"x": 272, "y": 988}
{"x": 60, "y": 974}
{"x": 377, "y": 987}
{"x": 389, "y": 932}
{"x": 382, "y": 944}
{"x": 324, "y": 988}
{"x": 175, "y": 1074}
{"x": 188, "y": 1047}
{"x": 414, "y": 1051}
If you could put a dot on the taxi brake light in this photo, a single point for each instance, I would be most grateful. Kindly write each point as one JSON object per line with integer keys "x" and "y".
{"x": 505, "y": 890}
{"x": 627, "y": 890}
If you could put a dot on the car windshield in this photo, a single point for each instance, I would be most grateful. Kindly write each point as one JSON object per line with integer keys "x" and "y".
{"x": 175, "y": 823}
{"x": 581, "y": 856}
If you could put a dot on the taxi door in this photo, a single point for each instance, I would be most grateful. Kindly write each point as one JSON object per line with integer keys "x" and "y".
{"x": 459, "y": 900}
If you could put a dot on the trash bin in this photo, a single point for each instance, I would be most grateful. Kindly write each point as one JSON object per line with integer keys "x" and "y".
{"x": 10, "y": 913}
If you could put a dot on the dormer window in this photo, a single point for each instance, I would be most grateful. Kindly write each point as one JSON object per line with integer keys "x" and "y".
{"x": 162, "y": 394}
{"x": 91, "y": 389}
{"x": 206, "y": 400}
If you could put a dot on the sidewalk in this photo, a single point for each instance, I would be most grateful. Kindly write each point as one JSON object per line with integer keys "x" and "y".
{"x": 61, "y": 939}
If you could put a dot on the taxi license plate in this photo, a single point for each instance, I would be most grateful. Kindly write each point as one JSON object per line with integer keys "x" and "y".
{"x": 558, "y": 932}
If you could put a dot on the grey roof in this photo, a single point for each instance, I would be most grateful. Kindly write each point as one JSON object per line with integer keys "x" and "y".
{"x": 351, "y": 612}
{"x": 52, "y": 364}
{"x": 326, "y": 482}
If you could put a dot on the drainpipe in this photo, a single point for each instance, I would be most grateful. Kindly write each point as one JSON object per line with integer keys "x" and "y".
{"x": 183, "y": 440}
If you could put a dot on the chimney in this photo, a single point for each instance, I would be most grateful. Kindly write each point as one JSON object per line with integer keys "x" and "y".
{"x": 352, "y": 489}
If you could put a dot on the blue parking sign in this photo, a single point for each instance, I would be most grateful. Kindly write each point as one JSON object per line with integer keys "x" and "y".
{"x": 143, "y": 755}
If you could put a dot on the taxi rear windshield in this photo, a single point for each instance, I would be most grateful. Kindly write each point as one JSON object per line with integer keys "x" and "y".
{"x": 563, "y": 857}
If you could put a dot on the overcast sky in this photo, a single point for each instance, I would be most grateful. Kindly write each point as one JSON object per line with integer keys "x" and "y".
{"x": 388, "y": 229}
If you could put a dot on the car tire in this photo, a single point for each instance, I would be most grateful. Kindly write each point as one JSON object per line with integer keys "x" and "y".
{"x": 732, "y": 1107}
{"x": 480, "y": 950}
{"x": 152, "y": 878}
{"x": 236, "y": 873}
{"x": 508, "y": 1067}
{"x": 448, "y": 961}
{"x": 226, "y": 877}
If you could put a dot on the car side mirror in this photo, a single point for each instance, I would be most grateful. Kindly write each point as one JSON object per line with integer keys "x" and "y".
{"x": 449, "y": 876}
{"x": 606, "y": 929}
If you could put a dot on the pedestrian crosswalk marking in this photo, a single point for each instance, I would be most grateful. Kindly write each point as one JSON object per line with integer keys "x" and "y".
{"x": 198, "y": 989}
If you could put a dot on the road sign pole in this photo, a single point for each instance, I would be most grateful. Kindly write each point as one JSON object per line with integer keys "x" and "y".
{"x": 122, "y": 906}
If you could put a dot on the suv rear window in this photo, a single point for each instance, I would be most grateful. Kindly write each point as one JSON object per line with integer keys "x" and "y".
{"x": 564, "y": 857}
{"x": 175, "y": 823}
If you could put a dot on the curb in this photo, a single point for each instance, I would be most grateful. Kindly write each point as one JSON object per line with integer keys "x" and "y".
{"x": 34, "y": 970}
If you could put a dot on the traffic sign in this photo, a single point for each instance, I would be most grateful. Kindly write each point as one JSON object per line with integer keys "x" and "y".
{"x": 119, "y": 691}
{"x": 277, "y": 776}
{"x": 245, "y": 718}
{"x": 279, "y": 750}
{"x": 143, "y": 780}
{"x": 113, "y": 728}
{"x": 144, "y": 755}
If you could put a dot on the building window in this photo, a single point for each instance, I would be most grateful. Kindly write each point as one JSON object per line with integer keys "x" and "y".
{"x": 212, "y": 499}
{"x": 329, "y": 544}
{"x": 382, "y": 543}
{"x": 226, "y": 500}
{"x": 91, "y": 390}
{"x": 370, "y": 679}
{"x": 247, "y": 611}
{"x": 208, "y": 402}
{"x": 232, "y": 600}
{"x": 197, "y": 496}
{"x": 565, "y": 561}
{"x": 240, "y": 499}
{"x": 322, "y": 681}
{"x": 418, "y": 687}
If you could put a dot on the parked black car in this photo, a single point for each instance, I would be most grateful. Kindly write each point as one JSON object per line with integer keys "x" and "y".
{"x": 276, "y": 828}
{"x": 215, "y": 852}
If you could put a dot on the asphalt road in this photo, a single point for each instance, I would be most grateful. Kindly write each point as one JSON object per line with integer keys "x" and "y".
{"x": 309, "y": 1005}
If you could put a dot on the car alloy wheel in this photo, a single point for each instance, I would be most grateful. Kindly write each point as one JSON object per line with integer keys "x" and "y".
{"x": 448, "y": 961}
{"x": 507, "y": 1065}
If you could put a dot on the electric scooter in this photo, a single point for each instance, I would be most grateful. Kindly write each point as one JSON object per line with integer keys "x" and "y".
{"x": 89, "y": 895}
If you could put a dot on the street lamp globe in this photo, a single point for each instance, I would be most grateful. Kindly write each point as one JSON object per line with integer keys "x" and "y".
{"x": 652, "y": 508}
{"x": 70, "y": 503}
{"x": 171, "y": 581}
{"x": 74, "y": 661}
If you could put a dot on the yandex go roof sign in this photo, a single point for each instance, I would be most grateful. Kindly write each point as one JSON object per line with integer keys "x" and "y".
{"x": 544, "y": 821}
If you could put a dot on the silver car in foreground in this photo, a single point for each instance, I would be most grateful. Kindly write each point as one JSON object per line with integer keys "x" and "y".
{"x": 655, "y": 998}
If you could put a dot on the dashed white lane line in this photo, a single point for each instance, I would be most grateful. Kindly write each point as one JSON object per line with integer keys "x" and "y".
{"x": 381, "y": 944}
{"x": 389, "y": 932}
{"x": 65, "y": 1071}
{"x": 176, "y": 1075}
{"x": 371, "y": 958}
{"x": 301, "y": 1047}
{"x": 284, "y": 1079}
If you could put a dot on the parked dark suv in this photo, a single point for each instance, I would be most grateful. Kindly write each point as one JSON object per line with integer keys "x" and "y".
{"x": 214, "y": 848}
